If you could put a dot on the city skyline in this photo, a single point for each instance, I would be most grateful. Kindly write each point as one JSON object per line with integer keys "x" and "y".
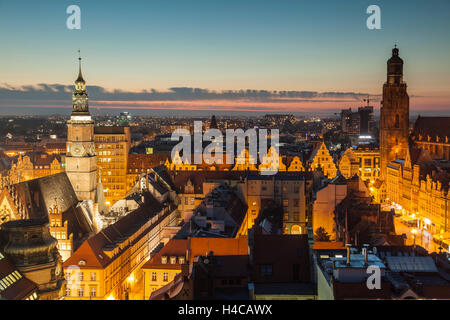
{"x": 222, "y": 58}
{"x": 247, "y": 152}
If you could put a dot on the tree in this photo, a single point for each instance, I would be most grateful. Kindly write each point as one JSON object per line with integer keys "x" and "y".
{"x": 321, "y": 235}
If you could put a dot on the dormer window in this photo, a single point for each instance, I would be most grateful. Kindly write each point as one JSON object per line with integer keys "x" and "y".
{"x": 82, "y": 263}
{"x": 164, "y": 260}
{"x": 173, "y": 260}
{"x": 181, "y": 260}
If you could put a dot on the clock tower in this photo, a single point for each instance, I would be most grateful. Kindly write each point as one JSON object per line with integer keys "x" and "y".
{"x": 81, "y": 161}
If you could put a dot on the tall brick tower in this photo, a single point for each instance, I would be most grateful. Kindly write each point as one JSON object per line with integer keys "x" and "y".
{"x": 394, "y": 114}
{"x": 81, "y": 160}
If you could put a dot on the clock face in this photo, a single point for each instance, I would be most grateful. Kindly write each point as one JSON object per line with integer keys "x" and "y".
{"x": 77, "y": 149}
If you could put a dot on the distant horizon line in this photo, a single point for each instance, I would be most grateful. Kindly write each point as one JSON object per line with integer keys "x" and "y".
{"x": 104, "y": 111}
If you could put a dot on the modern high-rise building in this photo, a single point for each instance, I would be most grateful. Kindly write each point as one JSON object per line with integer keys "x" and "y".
{"x": 81, "y": 160}
{"x": 360, "y": 123}
{"x": 366, "y": 122}
{"x": 394, "y": 114}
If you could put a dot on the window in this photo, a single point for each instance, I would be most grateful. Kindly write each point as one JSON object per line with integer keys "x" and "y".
{"x": 93, "y": 276}
{"x": 80, "y": 276}
{"x": 163, "y": 259}
{"x": 67, "y": 292}
{"x": 80, "y": 292}
{"x": 181, "y": 260}
{"x": 265, "y": 270}
{"x": 173, "y": 260}
{"x": 93, "y": 291}
{"x": 165, "y": 276}
{"x": 285, "y": 202}
{"x": 153, "y": 276}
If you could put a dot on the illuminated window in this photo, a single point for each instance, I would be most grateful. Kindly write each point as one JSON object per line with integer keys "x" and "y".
{"x": 165, "y": 276}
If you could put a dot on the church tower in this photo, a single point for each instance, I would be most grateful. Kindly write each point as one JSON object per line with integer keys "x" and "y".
{"x": 394, "y": 114}
{"x": 81, "y": 161}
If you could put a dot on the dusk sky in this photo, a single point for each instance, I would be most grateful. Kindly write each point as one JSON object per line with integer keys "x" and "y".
{"x": 322, "y": 50}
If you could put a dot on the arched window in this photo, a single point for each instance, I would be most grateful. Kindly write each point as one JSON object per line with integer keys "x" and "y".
{"x": 397, "y": 121}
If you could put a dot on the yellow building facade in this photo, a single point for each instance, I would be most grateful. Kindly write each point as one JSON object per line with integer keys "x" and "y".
{"x": 112, "y": 145}
{"x": 418, "y": 195}
{"x": 24, "y": 169}
{"x": 321, "y": 158}
{"x": 108, "y": 265}
{"x": 365, "y": 162}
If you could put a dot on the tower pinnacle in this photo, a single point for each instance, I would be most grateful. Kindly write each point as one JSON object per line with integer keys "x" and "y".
{"x": 80, "y": 75}
{"x": 80, "y": 95}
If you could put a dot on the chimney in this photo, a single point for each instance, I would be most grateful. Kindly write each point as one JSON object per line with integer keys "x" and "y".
{"x": 366, "y": 246}
{"x": 348, "y": 245}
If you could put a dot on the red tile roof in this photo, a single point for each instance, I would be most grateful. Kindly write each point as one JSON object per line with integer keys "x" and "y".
{"x": 175, "y": 247}
{"x": 220, "y": 246}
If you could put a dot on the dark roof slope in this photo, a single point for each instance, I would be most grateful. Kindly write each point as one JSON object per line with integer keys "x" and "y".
{"x": 432, "y": 126}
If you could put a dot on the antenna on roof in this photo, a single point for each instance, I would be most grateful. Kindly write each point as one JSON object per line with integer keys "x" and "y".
{"x": 367, "y": 100}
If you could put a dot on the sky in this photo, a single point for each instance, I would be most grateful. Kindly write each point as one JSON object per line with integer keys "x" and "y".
{"x": 211, "y": 56}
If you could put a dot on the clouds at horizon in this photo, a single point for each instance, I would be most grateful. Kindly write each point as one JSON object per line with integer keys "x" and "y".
{"x": 58, "y": 96}
{"x": 60, "y": 91}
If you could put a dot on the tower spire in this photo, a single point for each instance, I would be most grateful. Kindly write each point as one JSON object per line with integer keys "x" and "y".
{"x": 80, "y": 95}
{"x": 80, "y": 75}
